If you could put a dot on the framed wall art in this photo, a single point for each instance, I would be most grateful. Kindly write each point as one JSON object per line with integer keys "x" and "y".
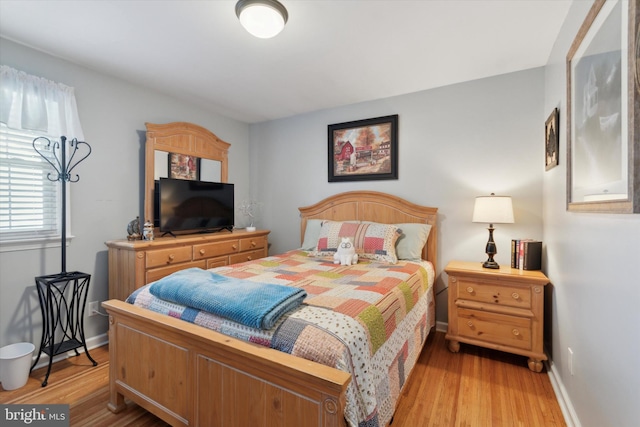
{"x": 183, "y": 166}
{"x": 551, "y": 140}
{"x": 364, "y": 150}
{"x": 603, "y": 111}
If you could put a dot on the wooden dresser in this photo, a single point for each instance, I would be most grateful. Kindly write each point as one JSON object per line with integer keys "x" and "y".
{"x": 133, "y": 264}
{"x": 501, "y": 309}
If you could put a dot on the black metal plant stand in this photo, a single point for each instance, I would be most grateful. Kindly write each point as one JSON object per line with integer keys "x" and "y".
{"x": 62, "y": 314}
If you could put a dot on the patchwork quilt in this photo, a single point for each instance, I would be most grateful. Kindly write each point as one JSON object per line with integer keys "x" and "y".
{"x": 369, "y": 319}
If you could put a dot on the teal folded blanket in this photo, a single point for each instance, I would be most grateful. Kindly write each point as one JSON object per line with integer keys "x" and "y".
{"x": 258, "y": 305}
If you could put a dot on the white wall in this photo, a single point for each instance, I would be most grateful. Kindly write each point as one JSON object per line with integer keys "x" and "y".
{"x": 593, "y": 262}
{"x": 455, "y": 143}
{"x": 110, "y": 191}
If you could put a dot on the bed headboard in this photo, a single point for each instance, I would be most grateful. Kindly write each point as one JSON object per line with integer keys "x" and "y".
{"x": 377, "y": 207}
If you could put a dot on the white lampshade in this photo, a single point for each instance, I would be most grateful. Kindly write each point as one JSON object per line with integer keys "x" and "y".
{"x": 493, "y": 209}
{"x": 262, "y": 18}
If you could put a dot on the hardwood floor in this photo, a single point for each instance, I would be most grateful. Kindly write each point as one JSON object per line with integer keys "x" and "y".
{"x": 475, "y": 387}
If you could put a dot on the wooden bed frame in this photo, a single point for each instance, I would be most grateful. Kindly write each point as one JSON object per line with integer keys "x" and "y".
{"x": 188, "y": 375}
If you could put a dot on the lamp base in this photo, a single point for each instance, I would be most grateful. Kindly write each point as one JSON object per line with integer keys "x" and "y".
{"x": 490, "y": 264}
{"x": 491, "y": 251}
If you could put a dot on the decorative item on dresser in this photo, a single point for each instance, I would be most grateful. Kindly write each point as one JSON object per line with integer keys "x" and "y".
{"x": 502, "y": 309}
{"x": 133, "y": 264}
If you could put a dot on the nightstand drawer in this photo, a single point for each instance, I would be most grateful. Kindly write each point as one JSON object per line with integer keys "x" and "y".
{"x": 477, "y": 290}
{"x": 495, "y": 328}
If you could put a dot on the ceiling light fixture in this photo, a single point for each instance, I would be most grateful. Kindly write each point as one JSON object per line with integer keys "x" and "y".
{"x": 262, "y": 18}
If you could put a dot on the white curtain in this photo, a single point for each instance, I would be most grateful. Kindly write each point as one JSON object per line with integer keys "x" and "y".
{"x": 33, "y": 103}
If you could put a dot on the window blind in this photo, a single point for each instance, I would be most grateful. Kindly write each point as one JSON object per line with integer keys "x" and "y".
{"x": 29, "y": 201}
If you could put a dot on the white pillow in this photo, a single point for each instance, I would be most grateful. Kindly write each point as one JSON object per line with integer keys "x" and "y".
{"x": 413, "y": 238}
{"x": 311, "y": 234}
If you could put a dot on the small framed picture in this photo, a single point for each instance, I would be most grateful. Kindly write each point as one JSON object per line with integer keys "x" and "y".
{"x": 182, "y": 166}
{"x": 364, "y": 150}
{"x": 551, "y": 140}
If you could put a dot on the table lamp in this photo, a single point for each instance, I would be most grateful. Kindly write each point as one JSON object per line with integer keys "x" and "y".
{"x": 492, "y": 210}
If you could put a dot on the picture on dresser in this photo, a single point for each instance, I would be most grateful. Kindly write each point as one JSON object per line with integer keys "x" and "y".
{"x": 183, "y": 166}
{"x": 364, "y": 150}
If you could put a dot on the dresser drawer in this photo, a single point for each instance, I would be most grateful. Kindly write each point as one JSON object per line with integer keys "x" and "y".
{"x": 252, "y": 243}
{"x": 220, "y": 261}
{"x": 170, "y": 256}
{"x": 208, "y": 250}
{"x": 158, "y": 273}
{"x": 247, "y": 256}
{"x": 501, "y": 329}
{"x": 475, "y": 290}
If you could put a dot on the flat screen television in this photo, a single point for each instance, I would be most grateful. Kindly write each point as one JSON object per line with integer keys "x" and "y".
{"x": 196, "y": 206}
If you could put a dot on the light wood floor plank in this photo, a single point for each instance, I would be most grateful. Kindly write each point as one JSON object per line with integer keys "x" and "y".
{"x": 475, "y": 387}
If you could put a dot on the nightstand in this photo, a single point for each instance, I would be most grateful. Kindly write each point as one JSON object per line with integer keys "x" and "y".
{"x": 502, "y": 309}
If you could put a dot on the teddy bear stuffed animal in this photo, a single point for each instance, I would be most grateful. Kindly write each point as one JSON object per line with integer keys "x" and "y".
{"x": 346, "y": 253}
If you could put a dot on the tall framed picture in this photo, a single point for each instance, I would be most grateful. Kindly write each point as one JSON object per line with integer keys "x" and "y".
{"x": 603, "y": 111}
{"x": 183, "y": 166}
{"x": 364, "y": 150}
{"x": 551, "y": 140}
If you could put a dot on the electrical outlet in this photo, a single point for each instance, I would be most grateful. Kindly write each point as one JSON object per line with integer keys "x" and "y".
{"x": 93, "y": 308}
{"x": 570, "y": 360}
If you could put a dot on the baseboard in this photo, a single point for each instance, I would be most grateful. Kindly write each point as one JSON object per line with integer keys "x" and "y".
{"x": 441, "y": 326}
{"x": 570, "y": 416}
{"x": 93, "y": 342}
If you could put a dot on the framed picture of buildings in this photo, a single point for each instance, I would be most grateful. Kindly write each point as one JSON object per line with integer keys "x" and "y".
{"x": 183, "y": 166}
{"x": 603, "y": 111}
{"x": 363, "y": 150}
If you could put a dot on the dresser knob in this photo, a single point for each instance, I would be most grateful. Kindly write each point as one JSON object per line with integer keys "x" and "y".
{"x": 253, "y": 244}
{"x": 234, "y": 247}
{"x": 515, "y": 295}
{"x": 249, "y": 258}
{"x": 470, "y": 289}
{"x": 454, "y": 280}
{"x": 172, "y": 257}
{"x": 516, "y": 332}
{"x": 201, "y": 251}
{"x": 470, "y": 324}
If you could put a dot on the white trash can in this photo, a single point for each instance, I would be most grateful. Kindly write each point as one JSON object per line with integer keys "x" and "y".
{"x": 15, "y": 364}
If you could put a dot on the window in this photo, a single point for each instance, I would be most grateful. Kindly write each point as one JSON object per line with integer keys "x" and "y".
{"x": 30, "y": 194}
{"x": 29, "y": 201}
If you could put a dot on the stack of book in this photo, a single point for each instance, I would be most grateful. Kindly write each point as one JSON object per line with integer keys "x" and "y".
{"x": 526, "y": 254}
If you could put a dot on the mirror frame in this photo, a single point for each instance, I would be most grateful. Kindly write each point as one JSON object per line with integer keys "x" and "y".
{"x": 182, "y": 138}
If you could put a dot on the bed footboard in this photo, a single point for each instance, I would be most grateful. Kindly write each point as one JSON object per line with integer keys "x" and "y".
{"x": 190, "y": 376}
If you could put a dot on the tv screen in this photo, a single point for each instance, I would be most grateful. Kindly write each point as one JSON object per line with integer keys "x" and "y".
{"x": 195, "y": 205}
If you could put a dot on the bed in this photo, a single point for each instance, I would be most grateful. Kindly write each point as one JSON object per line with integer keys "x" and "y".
{"x": 187, "y": 374}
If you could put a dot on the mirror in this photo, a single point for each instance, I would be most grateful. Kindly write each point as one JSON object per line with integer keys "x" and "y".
{"x": 210, "y": 170}
{"x": 181, "y": 138}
